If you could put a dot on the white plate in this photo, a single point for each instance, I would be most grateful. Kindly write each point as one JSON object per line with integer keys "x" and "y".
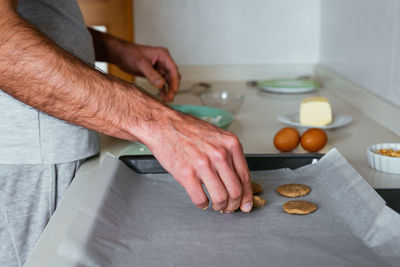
{"x": 288, "y": 90}
{"x": 293, "y": 120}
{"x": 288, "y": 86}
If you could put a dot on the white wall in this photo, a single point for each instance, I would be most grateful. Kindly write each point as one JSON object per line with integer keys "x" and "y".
{"x": 221, "y": 32}
{"x": 360, "y": 40}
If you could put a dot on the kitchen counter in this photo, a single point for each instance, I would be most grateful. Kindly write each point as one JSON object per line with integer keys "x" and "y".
{"x": 255, "y": 125}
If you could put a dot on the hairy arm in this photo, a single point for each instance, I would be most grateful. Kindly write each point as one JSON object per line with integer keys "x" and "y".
{"x": 37, "y": 72}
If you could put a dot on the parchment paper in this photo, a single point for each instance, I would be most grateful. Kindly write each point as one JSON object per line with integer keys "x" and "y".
{"x": 148, "y": 220}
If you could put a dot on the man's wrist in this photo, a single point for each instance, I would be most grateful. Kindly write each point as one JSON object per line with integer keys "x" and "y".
{"x": 107, "y": 46}
{"x": 114, "y": 49}
{"x": 150, "y": 120}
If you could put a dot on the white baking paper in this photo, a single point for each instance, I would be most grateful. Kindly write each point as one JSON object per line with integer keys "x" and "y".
{"x": 148, "y": 220}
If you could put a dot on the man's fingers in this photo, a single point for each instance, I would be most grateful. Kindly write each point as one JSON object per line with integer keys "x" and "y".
{"x": 150, "y": 73}
{"x": 167, "y": 64}
{"x": 195, "y": 191}
{"x": 240, "y": 166}
{"x": 173, "y": 88}
{"x": 214, "y": 185}
{"x": 229, "y": 178}
{"x": 174, "y": 76}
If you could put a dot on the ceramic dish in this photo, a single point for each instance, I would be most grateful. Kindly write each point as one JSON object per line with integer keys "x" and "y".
{"x": 381, "y": 162}
{"x": 288, "y": 86}
{"x": 218, "y": 117}
{"x": 293, "y": 120}
{"x": 135, "y": 149}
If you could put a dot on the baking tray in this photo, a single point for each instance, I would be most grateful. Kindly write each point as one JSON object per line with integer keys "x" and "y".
{"x": 146, "y": 164}
{"x": 257, "y": 162}
{"x": 133, "y": 219}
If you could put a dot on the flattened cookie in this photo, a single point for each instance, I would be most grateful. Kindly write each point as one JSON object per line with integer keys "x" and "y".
{"x": 258, "y": 202}
{"x": 299, "y": 207}
{"x": 257, "y": 188}
{"x": 293, "y": 190}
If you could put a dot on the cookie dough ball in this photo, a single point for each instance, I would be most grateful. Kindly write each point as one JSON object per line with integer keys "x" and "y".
{"x": 258, "y": 202}
{"x": 257, "y": 188}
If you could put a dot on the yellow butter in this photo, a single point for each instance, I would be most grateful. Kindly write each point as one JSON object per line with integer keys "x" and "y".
{"x": 315, "y": 111}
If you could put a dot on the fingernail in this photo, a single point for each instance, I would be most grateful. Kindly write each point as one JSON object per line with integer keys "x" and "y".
{"x": 158, "y": 82}
{"x": 221, "y": 211}
{"x": 246, "y": 207}
{"x": 205, "y": 207}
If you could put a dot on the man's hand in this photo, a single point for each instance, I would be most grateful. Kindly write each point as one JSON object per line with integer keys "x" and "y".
{"x": 197, "y": 153}
{"x": 193, "y": 151}
{"x": 153, "y": 63}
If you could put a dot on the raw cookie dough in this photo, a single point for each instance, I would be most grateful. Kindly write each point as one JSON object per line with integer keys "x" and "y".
{"x": 257, "y": 188}
{"x": 293, "y": 190}
{"x": 299, "y": 207}
{"x": 258, "y": 202}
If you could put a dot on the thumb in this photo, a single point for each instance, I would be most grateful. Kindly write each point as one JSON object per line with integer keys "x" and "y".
{"x": 150, "y": 73}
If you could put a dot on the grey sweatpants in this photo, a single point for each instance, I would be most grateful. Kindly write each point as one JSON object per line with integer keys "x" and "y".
{"x": 29, "y": 195}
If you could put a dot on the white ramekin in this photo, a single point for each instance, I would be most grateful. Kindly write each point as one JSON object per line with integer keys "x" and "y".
{"x": 384, "y": 163}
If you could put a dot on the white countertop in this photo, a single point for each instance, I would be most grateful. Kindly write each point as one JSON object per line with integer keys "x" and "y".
{"x": 255, "y": 125}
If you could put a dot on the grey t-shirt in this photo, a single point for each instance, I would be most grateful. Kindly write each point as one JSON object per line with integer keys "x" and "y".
{"x": 28, "y": 136}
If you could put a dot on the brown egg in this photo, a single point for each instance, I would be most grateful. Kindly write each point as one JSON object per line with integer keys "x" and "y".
{"x": 313, "y": 139}
{"x": 286, "y": 139}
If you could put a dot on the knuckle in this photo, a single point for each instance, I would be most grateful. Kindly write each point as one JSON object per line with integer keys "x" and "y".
{"x": 220, "y": 155}
{"x": 221, "y": 199}
{"x": 200, "y": 202}
{"x": 187, "y": 172}
{"x": 236, "y": 193}
{"x": 163, "y": 50}
{"x": 233, "y": 141}
{"x": 245, "y": 178}
{"x": 202, "y": 162}
{"x": 140, "y": 60}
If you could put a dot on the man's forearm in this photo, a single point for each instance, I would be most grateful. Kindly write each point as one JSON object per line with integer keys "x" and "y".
{"x": 37, "y": 72}
{"x": 102, "y": 43}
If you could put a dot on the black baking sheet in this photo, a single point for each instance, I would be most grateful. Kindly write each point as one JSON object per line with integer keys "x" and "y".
{"x": 257, "y": 162}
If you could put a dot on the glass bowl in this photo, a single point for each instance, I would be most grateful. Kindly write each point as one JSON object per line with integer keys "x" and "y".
{"x": 225, "y": 100}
